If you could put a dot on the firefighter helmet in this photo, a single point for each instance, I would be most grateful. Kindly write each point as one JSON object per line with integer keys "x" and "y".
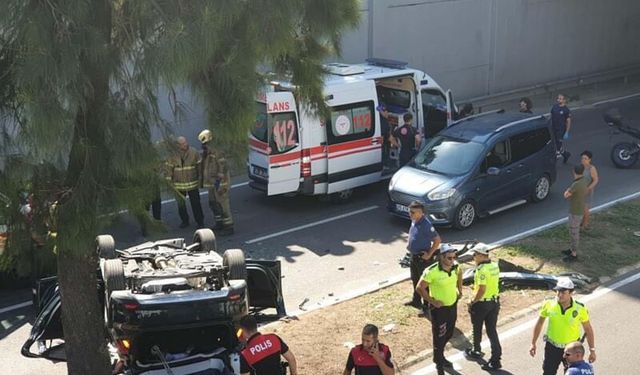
{"x": 205, "y": 136}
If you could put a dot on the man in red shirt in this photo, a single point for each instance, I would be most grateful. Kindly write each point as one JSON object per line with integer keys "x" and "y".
{"x": 261, "y": 355}
{"x": 371, "y": 357}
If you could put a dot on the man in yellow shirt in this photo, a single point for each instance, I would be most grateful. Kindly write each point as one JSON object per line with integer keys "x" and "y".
{"x": 441, "y": 286}
{"x": 485, "y": 306}
{"x": 565, "y": 315}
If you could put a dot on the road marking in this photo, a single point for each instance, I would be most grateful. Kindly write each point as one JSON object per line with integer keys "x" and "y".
{"x": 319, "y": 222}
{"x": 403, "y": 276}
{"x": 529, "y": 324}
{"x": 15, "y": 307}
{"x": 615, "y": 99}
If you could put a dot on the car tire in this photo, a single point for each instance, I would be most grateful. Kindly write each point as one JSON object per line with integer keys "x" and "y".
{"x": 113, "y": 275}
{"x": 106, "y": 246}
{"x": 541, "y": 189}
{"x": 623, "y": 155}
{"x": 234, "y": 260}
{"x": 207, "y": 240}
{"x": 465, "y": 215}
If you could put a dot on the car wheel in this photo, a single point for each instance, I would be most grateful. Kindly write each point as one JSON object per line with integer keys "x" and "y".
{"x": 465, "y": 215}
{"x": 624, "y": 155}
{"x": 234, "y": 260}
{"x": 541, "y": 189}
{"x": 207, "y": 240}
{"x": 342, "y": 196}
{"x": 113, "y": 274}
{"x": 106, "y": 246}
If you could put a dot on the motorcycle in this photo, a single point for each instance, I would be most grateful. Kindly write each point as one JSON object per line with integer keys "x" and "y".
{"x": 623, "y": 154}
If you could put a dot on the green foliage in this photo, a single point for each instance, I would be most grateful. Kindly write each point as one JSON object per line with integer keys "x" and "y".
{"x": 78, "y": 95}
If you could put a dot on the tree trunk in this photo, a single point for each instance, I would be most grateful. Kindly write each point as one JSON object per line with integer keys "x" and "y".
{"x": 82, "y": 318}
{"x": 82, "y": 315}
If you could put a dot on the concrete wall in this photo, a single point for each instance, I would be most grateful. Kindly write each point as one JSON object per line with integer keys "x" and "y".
{"x": 483, "y": 47}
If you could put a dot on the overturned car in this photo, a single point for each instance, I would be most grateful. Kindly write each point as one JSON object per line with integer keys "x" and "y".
{"x": 168, "y": 307}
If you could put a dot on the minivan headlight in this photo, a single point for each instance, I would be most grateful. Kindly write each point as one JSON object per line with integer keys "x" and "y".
{"x": 393, "y": 181}
{"x": 440, "y": 195}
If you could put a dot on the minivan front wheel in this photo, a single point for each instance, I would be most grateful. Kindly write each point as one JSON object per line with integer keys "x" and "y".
{"x": 465, "y": 215}
{"x": 542, "y": 188}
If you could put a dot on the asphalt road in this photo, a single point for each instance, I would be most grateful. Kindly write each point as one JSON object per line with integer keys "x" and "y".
{"x": 613, "y": 314}
{"x": 357, "y": 244}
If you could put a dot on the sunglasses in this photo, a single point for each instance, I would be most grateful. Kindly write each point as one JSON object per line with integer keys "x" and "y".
{"x": 566, "y": 354}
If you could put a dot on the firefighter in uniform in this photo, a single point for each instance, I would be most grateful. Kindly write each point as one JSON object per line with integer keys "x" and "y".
{"x": 565, "y": 315}
{"x": 441, "y": 286}
{"x": 183, "y": 170}
{"x": 261, "y": 355}
{"x": 216, "y": 178}
{"x": 485, "y": 306}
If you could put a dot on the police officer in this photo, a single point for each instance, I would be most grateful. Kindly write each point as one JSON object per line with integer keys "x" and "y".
{"x": 574, "y": 355}
{"x": 441, "y": 286}
{"x": 423, "y": 243}
{"x": 183, "y": 171}
{"x": 261, "y": 355}
{"x": 216, "y": 178}
{"x": 485, "y": 306}
{"x": 371, "y": 357}
{"x": 565, "y": 315}
{"x": 406, "y": 138}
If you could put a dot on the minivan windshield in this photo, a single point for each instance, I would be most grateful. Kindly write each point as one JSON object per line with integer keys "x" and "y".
{"x": 447, "y": 155}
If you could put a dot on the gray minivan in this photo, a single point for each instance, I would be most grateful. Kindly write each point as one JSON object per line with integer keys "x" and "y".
{"x": 478, "y": 166}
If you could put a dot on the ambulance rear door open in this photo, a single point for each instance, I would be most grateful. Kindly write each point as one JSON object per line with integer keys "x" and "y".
{"x": 354, "y": 156}
{"x": 275, "y": 149}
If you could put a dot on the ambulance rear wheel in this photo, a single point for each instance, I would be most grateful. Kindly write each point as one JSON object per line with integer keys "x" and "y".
{"x": 342, "y": 196}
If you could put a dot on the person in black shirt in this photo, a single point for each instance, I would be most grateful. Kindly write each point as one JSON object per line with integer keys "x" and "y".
{"x": 406, "y": 138}
{"x": 371, "y": 357}
{"x": 261, "y": 355}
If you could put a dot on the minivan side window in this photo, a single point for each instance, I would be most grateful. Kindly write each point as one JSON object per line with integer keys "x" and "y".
{"x": 528, "y": 143}
{"x": 351, "y": 122}
{"x": 497, "y": 157}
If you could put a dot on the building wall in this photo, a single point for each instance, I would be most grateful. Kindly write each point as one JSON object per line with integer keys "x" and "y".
{"x": 483, "y": 47}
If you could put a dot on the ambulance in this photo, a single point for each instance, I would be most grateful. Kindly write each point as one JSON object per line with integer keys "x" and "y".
{"x": 294, "y": 151}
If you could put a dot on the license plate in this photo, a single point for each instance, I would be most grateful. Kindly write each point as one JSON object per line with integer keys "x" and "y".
{"x": 402, "y": 208}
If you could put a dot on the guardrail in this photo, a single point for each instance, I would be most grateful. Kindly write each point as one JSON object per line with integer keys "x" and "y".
{"x": 625, "y": 74}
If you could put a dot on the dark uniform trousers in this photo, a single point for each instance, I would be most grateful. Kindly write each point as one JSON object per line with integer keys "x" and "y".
{"x": 443, "y": 321}
{"x": 486, "y": 313}
{"x": 405, "y": 156}
{"x": 553, "y": 357}
{"x": 196, "y": 208}
{"x": 417, "y": 267}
